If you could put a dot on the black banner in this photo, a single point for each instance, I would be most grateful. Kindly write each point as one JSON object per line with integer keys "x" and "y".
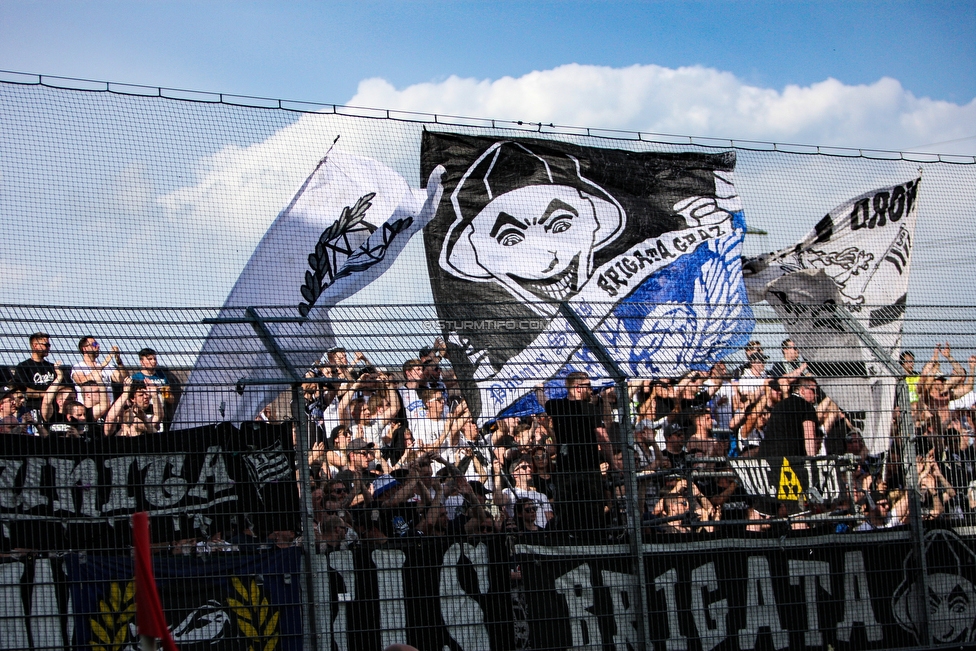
{"x": 431, "y": 593}
{"x": 792, "y": 480}
{"x": 854, "y": 591}
{"x": 60, "y": 493}
{"x": 858, "y": 591}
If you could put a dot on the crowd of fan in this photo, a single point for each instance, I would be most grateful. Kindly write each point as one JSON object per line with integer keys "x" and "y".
{"x": 396, "y": 453}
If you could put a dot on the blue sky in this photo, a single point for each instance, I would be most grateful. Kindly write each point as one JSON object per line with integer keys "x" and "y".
{"x": 322, "y": 51}
{"x": 204, "y": 182}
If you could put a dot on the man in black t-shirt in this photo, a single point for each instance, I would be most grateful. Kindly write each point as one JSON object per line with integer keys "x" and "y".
{"x": 35, "y": 372}
{"x": 792, "y": 427}
{"x": 581, "y": 444}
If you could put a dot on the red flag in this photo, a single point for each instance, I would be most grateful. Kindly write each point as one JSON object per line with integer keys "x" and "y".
{"x": 149, "y": 609}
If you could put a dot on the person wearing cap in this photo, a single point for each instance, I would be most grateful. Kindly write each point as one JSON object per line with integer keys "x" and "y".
{"x": 11, "y": 398}
{"x": 792, "y": 427}
{"x": 360, "y": 452}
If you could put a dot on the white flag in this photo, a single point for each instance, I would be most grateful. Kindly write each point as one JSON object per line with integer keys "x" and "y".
{"x": 345, "y": 226}
{"x": 858, "y": 257}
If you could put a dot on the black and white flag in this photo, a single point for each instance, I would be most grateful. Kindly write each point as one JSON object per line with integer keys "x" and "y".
{"x": 857, "y": 258}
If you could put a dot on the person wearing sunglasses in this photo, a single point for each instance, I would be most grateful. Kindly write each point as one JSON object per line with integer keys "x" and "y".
{"x": 35, "y": 372}
{"x": 89, "y": 366}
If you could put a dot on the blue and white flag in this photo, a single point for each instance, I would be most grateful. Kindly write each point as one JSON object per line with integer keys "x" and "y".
{"x": 643, "y": 247}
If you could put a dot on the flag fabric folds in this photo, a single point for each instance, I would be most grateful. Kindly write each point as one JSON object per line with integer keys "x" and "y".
{"x": 856, "y": 258}
{"x": 343, "y": 230}
{"x": 644, "y": 247}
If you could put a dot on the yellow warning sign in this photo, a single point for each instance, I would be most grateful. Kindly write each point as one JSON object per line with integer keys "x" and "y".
{"x": 789, "y": 483}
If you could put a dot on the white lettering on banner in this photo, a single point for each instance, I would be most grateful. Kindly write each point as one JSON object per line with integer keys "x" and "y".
{"x": 164, "y": 487}
{"x": 463, "y": 616}
{"x": 119, "y": 498}
{"x": 159, "y": 489}
{"x": 213, "y": 468}
{"x": 666, "y": 584}
{"x": 754, "y": 474}
{"x": 623, "y": 590}
{"x": 389, "y": 581}
{"x": 9, "y": 496}
{"x": 45, "y": 621}
{"x": 13, "y": 624}
{"x": 31, "y": 496}
{"x": 576, "y": 588}
{"x": 704, "y": 582}
{"x": 761, "y": 609}
{"x": 810, "y": 573}
{"x": 857, "y": 600}
{"x": 341, "y": 562}
{"x": 67, "y": 476}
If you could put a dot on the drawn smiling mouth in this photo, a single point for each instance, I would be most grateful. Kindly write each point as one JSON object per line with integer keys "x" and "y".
{"x": 555, "y": 288}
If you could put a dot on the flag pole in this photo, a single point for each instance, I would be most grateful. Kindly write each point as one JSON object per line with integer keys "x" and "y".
{"x": 623, "y": 405}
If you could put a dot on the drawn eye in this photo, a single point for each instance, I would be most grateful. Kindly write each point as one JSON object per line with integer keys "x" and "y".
{"x": 561, "y": 223}
{"x": 510, "y": 237}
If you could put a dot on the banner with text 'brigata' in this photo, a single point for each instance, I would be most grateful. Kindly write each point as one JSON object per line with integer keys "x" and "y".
{"x": 644, "y": 247}
{"x": 839, "y": 592}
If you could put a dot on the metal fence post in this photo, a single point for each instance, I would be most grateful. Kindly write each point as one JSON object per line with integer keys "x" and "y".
{"x": 301, "y": 441}
{"x": 906, "y": 428}
{"x": 634, "y": 518}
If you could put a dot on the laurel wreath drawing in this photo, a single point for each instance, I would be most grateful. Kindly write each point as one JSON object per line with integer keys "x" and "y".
{"x": 323, "y": 261}
{"x": 255, "y": 618}
{"x": 110, "y": 628}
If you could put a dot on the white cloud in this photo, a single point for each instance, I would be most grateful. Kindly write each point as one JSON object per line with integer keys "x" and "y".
{"x": 698, "y": 101}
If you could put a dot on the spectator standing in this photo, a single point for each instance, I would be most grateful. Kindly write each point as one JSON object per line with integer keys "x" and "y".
{"x": 89, "y": 366}
{"x": 792, "y": 427}
{"x": 790, "y": 368}
{"x": 151, "y": 373}
{"x": 907, "y": 361}
{"x": 580, "y": 442}
{"x": 413, "y": 406}
{"x": 35, "y": 372}
{"x": 522, "y": 473}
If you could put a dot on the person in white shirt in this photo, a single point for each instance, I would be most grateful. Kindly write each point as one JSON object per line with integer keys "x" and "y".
{"x": 522, "y": 473}
{"x": 90, "y": 351}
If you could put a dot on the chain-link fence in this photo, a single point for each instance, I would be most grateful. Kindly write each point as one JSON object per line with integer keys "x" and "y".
{"x": 373, "y": 501}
